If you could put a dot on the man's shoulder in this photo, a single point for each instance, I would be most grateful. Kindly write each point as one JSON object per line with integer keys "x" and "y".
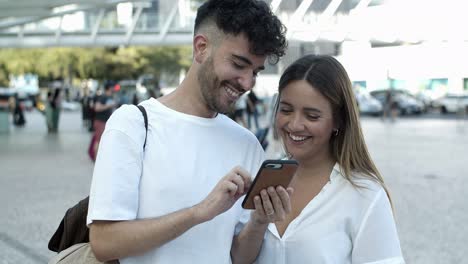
{"x": 125, "y": 114}
{"x": 232, "y": 125}
{"x": 150, "y": 104}
{"x": 236, "y": 130}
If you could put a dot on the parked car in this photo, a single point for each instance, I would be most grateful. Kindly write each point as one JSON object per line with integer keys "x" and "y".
{"x": 368, "y": 105}
{"x": 405, "y": 102}
{"x": 452, "y": 103}
{"x": 149, "y": 83}
{"x": 127, "y": 91}
{"x": 425, "y": 98}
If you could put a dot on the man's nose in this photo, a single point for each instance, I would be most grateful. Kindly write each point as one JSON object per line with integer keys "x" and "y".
{"x": 247, "y": 81}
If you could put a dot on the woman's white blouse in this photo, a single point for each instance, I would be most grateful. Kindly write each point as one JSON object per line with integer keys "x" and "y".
{"x": 342, "y": 224}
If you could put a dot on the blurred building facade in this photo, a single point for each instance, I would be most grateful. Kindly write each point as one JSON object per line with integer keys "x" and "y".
{"x": 416, "y": 45}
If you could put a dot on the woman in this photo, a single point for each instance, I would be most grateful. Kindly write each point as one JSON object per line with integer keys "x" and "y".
{"x": 52, "y": 110}
{"x": 340, "y": 208}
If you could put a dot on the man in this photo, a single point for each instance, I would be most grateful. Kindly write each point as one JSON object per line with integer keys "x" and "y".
{"x": 177, "y": 201}
{"x": 18, "y": 114}
{"x": 103, "y": 107}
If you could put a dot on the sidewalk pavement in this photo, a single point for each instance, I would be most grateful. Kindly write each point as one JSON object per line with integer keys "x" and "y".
{"x": 423, "y": 162}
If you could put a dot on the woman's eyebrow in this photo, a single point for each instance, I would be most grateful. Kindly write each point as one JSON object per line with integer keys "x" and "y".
{"x": 307, "y": 109}
{"x": 312, "y": 109}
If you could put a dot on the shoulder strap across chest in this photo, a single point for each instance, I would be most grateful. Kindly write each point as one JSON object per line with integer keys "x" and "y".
{"x": 145, "y": 117}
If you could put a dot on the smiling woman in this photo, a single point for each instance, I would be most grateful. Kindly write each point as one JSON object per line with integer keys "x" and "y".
{"x": 340, "y": 208}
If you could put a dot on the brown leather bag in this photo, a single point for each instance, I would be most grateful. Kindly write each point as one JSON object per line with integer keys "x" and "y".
{"x": 78, "y": 254}
{"x": 72, "y": 229}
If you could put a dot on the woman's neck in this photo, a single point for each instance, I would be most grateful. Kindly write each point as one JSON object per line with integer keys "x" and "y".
{"x": 316, "y": 168}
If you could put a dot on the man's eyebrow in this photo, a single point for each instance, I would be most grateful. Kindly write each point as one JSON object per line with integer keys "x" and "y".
{"x": 245, "y": 60}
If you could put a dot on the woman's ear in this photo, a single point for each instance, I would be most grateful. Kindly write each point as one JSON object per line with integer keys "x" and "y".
{"x": 200, "y": 48}
{"x": 335, "y": 132}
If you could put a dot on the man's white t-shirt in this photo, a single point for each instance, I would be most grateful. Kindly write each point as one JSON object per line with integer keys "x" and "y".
{"x": 184, "y": 158}
{"x": 342, "y": 224}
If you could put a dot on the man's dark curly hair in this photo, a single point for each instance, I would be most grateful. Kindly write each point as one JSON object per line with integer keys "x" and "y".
{"x": 254, "y": 18}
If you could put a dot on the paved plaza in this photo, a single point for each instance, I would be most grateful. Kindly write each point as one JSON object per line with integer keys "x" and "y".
{"x": 423, "y": 160}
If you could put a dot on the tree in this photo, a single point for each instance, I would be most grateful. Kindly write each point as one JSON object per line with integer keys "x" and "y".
{"x": 92, "y": 63}
{"x": 97, "y": 63}
{"x": 168, "y": 61}
{"x": 3, "y": 75}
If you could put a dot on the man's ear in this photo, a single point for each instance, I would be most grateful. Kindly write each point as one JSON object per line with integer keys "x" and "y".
{"x": 200, "y": 48}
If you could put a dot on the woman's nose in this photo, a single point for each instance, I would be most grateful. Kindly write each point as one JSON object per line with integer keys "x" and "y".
{"x": 296, "y": 123}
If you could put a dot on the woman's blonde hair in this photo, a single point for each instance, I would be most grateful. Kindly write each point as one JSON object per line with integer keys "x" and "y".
{"x": 329, "y": 77}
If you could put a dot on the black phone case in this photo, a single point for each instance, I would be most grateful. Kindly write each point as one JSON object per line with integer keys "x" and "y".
{"x": 271, "y": 173}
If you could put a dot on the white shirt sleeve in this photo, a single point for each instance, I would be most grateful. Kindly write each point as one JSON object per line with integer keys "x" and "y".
{"x": 377, "y": 239}
{"x": 115, "y": 185}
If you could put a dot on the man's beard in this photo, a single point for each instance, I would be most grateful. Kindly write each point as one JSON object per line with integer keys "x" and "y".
{"x": 210, "y": 86}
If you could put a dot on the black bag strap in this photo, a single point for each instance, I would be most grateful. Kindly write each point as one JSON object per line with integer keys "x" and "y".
{"x": 145, "y": 117}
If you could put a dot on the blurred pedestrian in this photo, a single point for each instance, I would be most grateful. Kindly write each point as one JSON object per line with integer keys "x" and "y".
{"x": 18, "y": 113}
{"x": 252, "y": 111}
{"x": 52, "y": 110}
{"x": 390, "y": 106}
{"x": 92, "y": 113}
{"x": 86, "y": 108}
{"x": 103, "y": 107}
{"x": 340, "y": 210}
{"x": 56, "y": 107}
{"x": 239, "y": 111}
{"x": 48, "y": 111}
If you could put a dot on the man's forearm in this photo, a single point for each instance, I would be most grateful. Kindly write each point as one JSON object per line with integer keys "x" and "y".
{"x": 102, "y": 107}
{"x": 247, "y": 244}
{"x": 115, "y": 240}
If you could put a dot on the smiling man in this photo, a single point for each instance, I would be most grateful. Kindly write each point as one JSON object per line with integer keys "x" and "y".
{"x": 177, "y": 201}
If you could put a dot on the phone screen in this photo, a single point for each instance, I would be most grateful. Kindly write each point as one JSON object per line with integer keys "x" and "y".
{"x": 272, "y": 173}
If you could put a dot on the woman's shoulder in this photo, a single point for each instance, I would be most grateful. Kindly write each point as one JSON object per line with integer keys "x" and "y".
{"x": 365, "y": 188}
{"x": 367, "y": 182}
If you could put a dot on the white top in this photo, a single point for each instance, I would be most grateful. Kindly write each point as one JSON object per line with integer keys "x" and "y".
{"x": 184, "y": 159}
{"x": 342, "y": 224}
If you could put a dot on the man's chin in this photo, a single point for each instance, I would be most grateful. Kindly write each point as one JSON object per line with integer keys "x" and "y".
{"x": 226, "y": 109}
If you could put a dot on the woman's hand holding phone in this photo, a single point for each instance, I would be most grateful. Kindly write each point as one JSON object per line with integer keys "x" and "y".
{"x": 269, "y": 195}
{"x": 272, "y": 205}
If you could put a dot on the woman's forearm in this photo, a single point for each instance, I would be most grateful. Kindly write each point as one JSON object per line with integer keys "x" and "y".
{"x": 247, "y": 244}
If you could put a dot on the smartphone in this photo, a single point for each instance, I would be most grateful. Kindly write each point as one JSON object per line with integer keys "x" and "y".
{"x": 271, "y": 173}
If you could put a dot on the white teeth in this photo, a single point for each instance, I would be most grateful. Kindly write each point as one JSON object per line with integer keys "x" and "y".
{"x": 232, "y": 92}
{"x": 297, "y": 138}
